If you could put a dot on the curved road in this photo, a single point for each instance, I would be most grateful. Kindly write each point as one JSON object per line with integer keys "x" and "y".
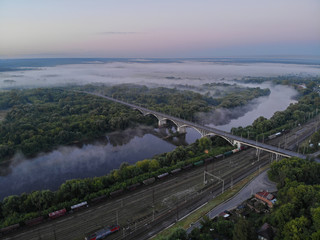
{"x": 261, "y": 182}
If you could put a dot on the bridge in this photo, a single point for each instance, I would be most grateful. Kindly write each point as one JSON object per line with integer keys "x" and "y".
{"x": 206, "y": 131}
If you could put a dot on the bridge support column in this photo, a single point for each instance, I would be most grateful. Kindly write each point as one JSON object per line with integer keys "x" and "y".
{"x": 162, "y": 122}
{"x": 182, "y": 129}
{"x": 237, "y": 143}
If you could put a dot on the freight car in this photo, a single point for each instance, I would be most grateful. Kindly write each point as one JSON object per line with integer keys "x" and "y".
{"x": 34, "y": 221}
{"x": 226, "y": 154}
{"x": 9, "y": 229}
{"x": 79, "y": 206}
{"x": 208, "y": 160}
{"x": 102, "y": 233}
{"x": 176, "y": 170}
{"x": 163, "y": 175}
{"x": 199, "y": 163}
{"x": 116, "y": 193}
{"x": 99, "y": 199}
{"x": 187, "y": 166}
{"x": 219, "y": 156}
{"x": 235, "y": 150}
{"x": 57, "y": 214}
{"x": 133, "y": 186}
{"x": 149, "y": 181}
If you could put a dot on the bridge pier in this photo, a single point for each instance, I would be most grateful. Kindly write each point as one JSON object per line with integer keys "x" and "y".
{"x": 237, "y": 143}
{"x": 162, "y": 122}
{"x": 182, "y": 129}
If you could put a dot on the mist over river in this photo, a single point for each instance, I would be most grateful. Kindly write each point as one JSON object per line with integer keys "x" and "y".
{"x": 50, "y": 170}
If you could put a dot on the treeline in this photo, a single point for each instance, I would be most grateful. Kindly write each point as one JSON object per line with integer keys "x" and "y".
{"x": 15, "y": 209}
{"x": 241, "y": 98}
{"x": 283, "y": 80}
{"x": 41, "y": 119}
{"x": 307, "y": 107}
{"x": 179, "y": 103}
{"x": 296, "y": 213}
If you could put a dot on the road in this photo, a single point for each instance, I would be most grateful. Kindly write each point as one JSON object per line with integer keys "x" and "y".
{"x": 261, "y": 182}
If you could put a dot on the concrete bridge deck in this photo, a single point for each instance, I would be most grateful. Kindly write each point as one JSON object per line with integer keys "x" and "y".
{"x": 207, "y": 131}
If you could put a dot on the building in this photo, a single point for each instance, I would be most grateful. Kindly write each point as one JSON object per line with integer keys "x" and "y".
{"x": 265, "y": 232}
{"x": 266, "y": 197}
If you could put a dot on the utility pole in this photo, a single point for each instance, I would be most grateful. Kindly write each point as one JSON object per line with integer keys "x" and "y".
{"x": 153, "y": 196}
{"x": 177, "y": 211}
{"x": 117, "y": 217}
{"x": 222, "y": 186}
{"x": 54, "y": 232}
{"x": 153, "y": 212}
{"x": 231, "y": 186}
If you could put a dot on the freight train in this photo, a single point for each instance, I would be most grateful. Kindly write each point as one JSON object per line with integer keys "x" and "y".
{"x": 114, "y": 194}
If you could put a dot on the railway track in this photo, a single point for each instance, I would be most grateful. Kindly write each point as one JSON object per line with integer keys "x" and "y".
{"x": 160, "y": 203}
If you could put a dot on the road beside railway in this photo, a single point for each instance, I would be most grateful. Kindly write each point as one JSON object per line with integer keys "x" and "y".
{"x": 260, "y": 182}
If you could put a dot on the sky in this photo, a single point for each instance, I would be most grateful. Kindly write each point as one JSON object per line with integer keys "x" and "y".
{"x": 153, "y": 28}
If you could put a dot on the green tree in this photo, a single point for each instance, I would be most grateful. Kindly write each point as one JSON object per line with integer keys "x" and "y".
{"x": 206, "y": 224}
{"x": 297, "y": 229}
{"x": 178, "y": 234}
{"x": 315, "y": 212}
{"x": 243, "y": 230}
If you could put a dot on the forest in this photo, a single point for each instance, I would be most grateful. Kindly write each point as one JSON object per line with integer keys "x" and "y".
{"x": 39, "y": 120}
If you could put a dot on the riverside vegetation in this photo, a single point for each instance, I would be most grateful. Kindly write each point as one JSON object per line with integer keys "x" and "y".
{"x": 307, "y": 107}
{"x": 42, "y": 119}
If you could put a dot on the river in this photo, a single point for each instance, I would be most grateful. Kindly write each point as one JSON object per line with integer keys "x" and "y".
{"x": 50, "y": 170}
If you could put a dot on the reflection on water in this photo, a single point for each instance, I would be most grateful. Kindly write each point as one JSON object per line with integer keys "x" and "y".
{"x": 50, "y": 170}
{"x": 278, "y": 100}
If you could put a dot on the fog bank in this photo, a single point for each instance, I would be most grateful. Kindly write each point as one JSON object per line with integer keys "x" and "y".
{"x": 148, "y": 73}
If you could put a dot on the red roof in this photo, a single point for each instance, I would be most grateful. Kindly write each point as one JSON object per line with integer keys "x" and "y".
{"x": 265, "y": 195}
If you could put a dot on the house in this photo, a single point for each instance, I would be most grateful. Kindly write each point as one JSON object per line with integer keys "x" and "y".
{"x": 224, "y": 214}
{"x": 265, "y": 232}
{"x": 266, "y": 197}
